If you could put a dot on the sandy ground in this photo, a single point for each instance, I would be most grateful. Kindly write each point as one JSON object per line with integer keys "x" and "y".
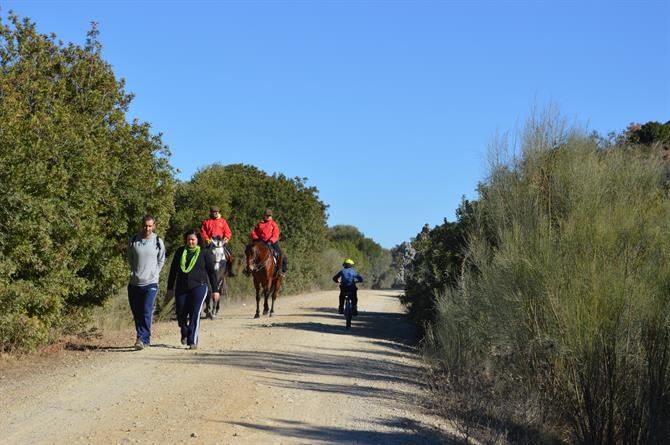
{"x": 296, "y": 378}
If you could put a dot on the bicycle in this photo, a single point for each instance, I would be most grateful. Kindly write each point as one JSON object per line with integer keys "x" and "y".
{"x": 348, "y": 309}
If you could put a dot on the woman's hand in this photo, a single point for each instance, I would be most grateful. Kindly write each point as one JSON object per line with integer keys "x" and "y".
{"x": 216, "y": 296}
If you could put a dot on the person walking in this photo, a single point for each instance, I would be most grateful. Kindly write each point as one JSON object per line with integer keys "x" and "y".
{"x": 268, "y": 231}
{"x": 146, "y": 257}
{"x": 187, "y": 280}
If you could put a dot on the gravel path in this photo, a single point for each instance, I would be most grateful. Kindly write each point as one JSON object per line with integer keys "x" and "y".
{"x": 296, "y": 378}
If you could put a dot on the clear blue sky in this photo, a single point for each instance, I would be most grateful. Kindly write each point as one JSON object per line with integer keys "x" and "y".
{"x": 386, "y": 107}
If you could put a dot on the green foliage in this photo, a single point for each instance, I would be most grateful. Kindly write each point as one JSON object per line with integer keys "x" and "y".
{"x": 564, "y": 292}
{"x": 436, "y": 264}
{"x": 372, "y": 260}
{"x": 649, "y": 133}
{"x": 193, "y": 200}
{"x": 243, "y": 192}
{"x": 76, "y": 178}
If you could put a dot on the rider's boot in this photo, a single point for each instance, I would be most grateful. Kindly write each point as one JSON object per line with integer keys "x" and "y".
{"x": 340, "y": 308}
{"x": 354, "y": 305}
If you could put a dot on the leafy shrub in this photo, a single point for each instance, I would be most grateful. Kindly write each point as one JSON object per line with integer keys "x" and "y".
{"x": 436, "y": 265}
{"x": 372, "y": 260}
{"x": 75, "y": 176}
{"x": 564, "y": 291}
{"x": 243, "y": 192}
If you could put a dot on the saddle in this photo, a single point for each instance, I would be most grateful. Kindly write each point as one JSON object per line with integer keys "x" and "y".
{"x": 277, "y": 258}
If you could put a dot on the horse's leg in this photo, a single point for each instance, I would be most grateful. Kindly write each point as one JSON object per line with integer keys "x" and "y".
{"x": 266, "y": 293}
{"x": 207, "y": 305}
{"x": 258, "y": 298}
{"x": 275, "y": 287}
{"x": 217, "y": 304}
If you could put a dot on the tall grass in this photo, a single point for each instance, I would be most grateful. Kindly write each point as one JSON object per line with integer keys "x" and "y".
{"x": 565, "y": 292}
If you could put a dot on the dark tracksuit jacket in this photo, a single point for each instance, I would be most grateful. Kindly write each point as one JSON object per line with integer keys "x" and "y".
{"x": 190, "y": 290}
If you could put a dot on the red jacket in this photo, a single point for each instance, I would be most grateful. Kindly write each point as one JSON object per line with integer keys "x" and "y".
{"x": 267, "y": 231}
{"x": 215, "y": 227}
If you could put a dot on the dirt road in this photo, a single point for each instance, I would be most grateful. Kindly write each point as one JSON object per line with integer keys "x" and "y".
{"x": 296, "y": 378}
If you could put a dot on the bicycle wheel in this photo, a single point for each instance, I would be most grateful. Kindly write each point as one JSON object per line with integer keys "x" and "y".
{"x": 348, "y": 311}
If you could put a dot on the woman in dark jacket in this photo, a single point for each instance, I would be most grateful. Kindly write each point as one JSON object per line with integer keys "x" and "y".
{"x": 190, "y": 268}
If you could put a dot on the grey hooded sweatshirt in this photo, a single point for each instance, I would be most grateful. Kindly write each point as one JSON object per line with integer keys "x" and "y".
{"x": 146, "y": 258}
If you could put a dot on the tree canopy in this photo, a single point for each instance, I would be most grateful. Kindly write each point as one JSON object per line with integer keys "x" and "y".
{"x": 75, "y": 176}
{"x": 372, "y": 260}
{"x": 243, "y": 192}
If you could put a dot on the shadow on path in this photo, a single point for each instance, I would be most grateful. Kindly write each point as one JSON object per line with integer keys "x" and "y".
{"x": 393, "y": 336}
{"x": 289, "y": 363}
{"x": 397, "y": 431}
{"x": 70, "y": 346}
{"x": 387, "y": 326}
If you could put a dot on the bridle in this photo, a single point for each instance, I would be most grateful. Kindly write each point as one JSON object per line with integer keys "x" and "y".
{"x": 254, "y": 262}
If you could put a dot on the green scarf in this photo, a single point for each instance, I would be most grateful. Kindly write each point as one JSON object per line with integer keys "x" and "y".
{"x": 185, "y": 269}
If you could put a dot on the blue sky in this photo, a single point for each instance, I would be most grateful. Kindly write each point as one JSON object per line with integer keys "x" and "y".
{"x": 387, "y": 107}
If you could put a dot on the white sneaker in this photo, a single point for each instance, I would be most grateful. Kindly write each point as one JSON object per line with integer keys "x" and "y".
{"x": 139, "y": 345}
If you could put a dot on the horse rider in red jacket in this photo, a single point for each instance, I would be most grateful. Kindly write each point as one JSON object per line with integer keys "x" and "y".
{"x": 268, "y": 231}
{"x": 217, "y": 226}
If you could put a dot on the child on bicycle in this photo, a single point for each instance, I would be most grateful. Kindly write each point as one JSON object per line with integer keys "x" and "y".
{"x": 348, "y": 277}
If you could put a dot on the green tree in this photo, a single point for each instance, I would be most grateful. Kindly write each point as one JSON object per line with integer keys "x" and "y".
{"x": 437, "y": 263}
{"x": 649, "y": 133}
{"x": 243, "y": 192}
{"x": 372, "y": 260}
{"x": 75, "y": 177}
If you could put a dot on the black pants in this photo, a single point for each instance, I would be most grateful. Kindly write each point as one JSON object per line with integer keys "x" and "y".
{"x": 354, "y": 296}
{"x": 284, "y": 263}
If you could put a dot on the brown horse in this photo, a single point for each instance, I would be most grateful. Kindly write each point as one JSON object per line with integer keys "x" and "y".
{"x": 262, "y": 265}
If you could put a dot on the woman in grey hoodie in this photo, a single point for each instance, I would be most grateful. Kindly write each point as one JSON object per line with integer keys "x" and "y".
{"x": 146, "y": 257}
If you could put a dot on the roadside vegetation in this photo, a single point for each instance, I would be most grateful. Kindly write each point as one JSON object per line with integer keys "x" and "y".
{"x": 76, "y": 178}
{"x": 546, "y": 305}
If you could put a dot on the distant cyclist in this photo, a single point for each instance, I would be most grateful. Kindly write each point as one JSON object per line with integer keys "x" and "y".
{"x": 348, "y": 277}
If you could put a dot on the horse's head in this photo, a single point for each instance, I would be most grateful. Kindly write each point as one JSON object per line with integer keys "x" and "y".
{"x": 251, "y": 254}
{"x": 256, "y": 254}
{"x": 218, "y": 251}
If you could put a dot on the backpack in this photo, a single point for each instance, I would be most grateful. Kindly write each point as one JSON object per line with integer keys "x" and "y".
{"x": 136, "y": 238}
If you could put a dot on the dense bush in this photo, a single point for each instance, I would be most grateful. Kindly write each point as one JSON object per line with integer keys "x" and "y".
{"x": 75, "y": 177}
{"x": 243, "y": 192}
{"x": 566, "y": 308}
{"x": 436, "y": 264}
